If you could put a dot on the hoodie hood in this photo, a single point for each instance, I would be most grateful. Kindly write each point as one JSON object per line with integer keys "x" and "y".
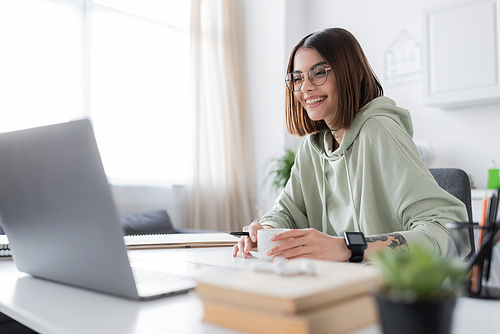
{"x": 378, "y": 107}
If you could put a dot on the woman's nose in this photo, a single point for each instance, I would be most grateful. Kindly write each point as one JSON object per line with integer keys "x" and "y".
{"x": 307, "y": 85}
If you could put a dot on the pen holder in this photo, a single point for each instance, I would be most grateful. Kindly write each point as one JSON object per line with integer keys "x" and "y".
{"x": 484, "y": 263}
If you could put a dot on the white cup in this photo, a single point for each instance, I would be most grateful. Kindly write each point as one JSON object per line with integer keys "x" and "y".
{"x": 263, "y": 236}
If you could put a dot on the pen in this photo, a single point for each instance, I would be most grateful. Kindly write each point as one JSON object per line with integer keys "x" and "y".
{"x": 476, "y": 270}
{"x": 240, "y": 233}
{"x": 491, "y": 227}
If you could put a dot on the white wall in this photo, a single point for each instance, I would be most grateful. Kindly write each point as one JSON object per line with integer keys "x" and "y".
{"x": 295, "y": 30}
{"x": 264, "y": 43}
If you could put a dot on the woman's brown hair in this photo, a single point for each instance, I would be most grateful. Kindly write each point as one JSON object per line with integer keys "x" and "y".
{"x": 356, "y": 83}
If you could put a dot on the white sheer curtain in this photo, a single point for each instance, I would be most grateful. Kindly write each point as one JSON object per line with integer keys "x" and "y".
{"x": 218, "y": 191}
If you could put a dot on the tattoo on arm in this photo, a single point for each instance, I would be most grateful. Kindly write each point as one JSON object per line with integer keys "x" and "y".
{"x": 378, "y": 237}
{"x": 396, "y": 240}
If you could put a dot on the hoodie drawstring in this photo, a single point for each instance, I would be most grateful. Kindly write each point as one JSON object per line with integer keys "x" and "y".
{"x": 356, "y": 222}
{"x": 325, "y": 215}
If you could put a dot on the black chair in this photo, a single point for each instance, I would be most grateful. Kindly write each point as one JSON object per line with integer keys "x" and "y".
{"x": 456, "y": 182}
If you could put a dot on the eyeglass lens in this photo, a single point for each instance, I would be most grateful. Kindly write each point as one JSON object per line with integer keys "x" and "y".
{"x": 317, "y": 75}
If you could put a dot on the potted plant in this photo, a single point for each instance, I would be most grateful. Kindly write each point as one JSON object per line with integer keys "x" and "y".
{"x": 420, "y": 290}
{"x": 280, "y": 169}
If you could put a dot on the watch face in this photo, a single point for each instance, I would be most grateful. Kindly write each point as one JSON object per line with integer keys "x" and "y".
{"x": 356, "y": 239}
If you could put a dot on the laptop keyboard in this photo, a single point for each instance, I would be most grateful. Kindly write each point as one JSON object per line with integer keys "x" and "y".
{"x": 154, "y": 282}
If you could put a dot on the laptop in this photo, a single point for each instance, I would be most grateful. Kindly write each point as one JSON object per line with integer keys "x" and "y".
{"x": 60, "y": 217}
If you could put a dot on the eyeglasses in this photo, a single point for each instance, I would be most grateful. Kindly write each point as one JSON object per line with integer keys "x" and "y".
{"x": 317, "y": 76}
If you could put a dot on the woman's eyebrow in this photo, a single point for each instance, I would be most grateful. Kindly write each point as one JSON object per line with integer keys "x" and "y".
{"x": 320, "y": 63}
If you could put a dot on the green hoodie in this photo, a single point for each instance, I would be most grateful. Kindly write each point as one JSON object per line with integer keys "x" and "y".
{"x": 375, "y": 182}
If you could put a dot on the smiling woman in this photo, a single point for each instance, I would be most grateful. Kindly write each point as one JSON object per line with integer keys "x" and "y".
{"x": 357, "y": 171}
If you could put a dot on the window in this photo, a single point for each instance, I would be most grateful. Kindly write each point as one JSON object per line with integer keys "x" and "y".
{"x": 41, "y": 63}
{"x": 123, "y": 63}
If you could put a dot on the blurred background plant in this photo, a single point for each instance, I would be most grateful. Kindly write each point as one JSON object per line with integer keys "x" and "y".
{"x": 280, "y": 169}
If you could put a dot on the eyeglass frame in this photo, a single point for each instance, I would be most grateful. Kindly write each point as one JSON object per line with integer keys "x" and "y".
{"x": 308, "y": 76}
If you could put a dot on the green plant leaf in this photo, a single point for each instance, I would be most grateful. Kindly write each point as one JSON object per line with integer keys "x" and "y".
{"x": 280, "y": 169}
{"x": 419, "y": 274}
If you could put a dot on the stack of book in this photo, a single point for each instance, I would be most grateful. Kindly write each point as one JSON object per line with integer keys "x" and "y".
{"x": 337, "y": 299}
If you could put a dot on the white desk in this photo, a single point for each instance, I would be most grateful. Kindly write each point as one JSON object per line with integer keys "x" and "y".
{"x": 49, "y": 307}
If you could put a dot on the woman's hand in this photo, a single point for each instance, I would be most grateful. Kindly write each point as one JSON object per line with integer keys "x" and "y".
{"x": 310, "y": 243}
{"x": 245, "y": 244}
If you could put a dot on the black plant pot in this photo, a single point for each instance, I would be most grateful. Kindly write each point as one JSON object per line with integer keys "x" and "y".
{"x": 429, "y": 317}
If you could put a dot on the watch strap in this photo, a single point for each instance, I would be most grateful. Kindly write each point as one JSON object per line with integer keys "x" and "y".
{"x": 356, "y": 242}
{"x": 358, "y": 253}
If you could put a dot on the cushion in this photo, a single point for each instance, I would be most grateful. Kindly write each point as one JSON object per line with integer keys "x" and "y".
{"x": 148, "y": 222}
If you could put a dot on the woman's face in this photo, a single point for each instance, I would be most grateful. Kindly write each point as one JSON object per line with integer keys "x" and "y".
{"x": 320, "y": 102}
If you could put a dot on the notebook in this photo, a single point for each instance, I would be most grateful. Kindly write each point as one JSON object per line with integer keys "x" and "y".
{"x": 59, "y": 214}
{"x": 180, "y": 240}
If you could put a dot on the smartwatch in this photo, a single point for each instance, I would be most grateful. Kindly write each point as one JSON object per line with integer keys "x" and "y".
{"x": 356, "y": 242}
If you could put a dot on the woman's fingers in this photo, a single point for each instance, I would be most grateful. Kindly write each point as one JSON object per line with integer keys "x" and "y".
{"x": 292, "y": 239}
{"x": 289, "y": 244}
{"x": 295, "y": 233}
{"x": 235, "y": 249}
{"x": 239, "y": 247}
{"x": 297, "y": 252}
{"x": 252, "y": 230}
{"x": 248, "y": 245}
{"x": 245, "y": 244}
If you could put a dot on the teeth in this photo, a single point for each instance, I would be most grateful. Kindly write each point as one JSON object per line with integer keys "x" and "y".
{"x": 312, "y": 101}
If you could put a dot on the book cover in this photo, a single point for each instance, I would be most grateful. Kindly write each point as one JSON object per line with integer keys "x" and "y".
{"x": 335, "y": 318}
{"x": 333, "y": 282}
